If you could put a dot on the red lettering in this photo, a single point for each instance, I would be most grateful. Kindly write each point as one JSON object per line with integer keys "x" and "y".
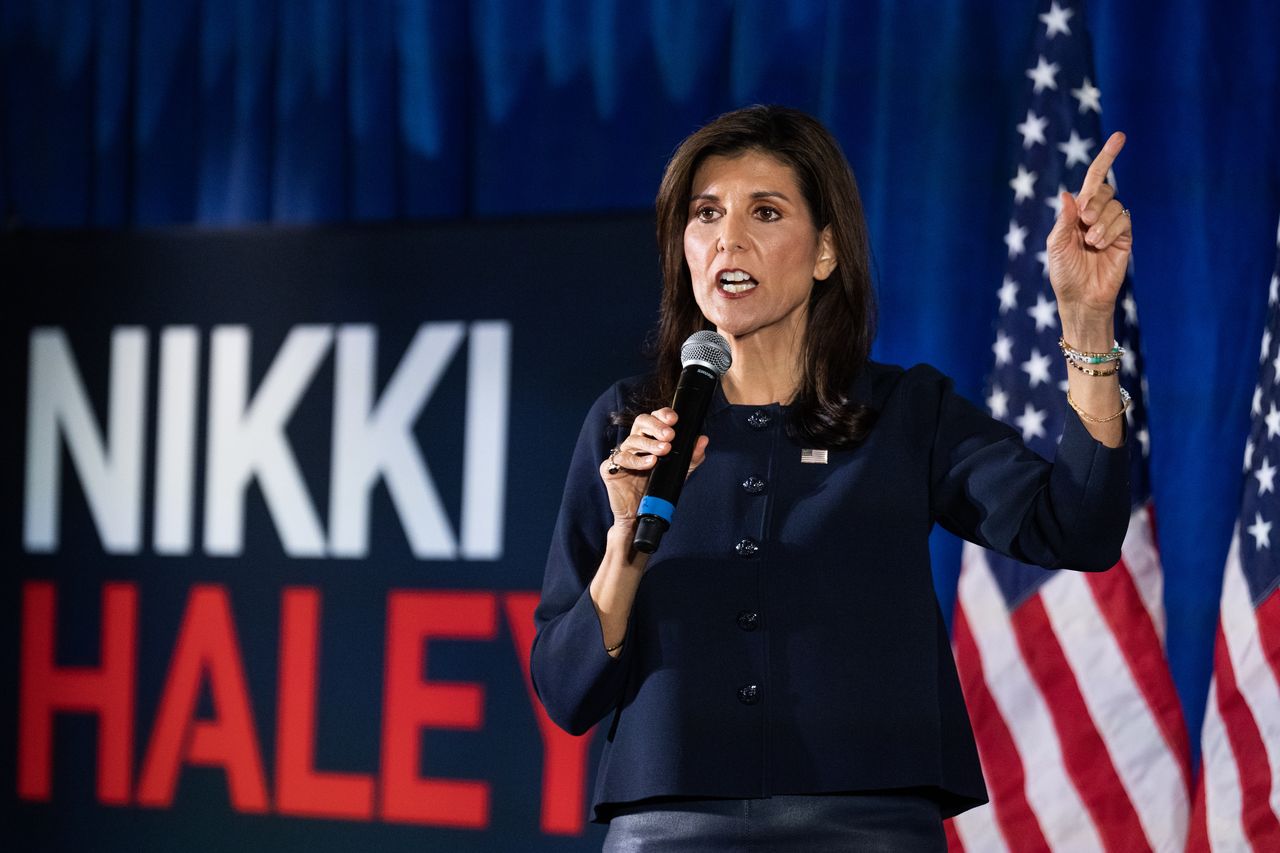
{"x": 206, "y": 647}
{"x": 411, "y": 703}
{"x": 564, "y": 757}
{"x": 300, "y": 788}
{"x": 106, "y": 691}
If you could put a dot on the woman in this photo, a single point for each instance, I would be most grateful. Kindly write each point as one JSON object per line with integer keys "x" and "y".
{"x": 778, "y": 673}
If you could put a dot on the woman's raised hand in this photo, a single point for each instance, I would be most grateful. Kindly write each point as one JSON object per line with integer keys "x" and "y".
{"x": 626, "y": 470}
{"x": 1089, "y": 246}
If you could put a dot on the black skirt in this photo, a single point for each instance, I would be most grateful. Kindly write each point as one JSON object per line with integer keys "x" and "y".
{"x": 871, "y": 822}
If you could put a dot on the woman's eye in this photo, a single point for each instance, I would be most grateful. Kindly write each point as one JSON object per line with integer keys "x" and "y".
{"x": 768, "y": 214}
{"x": 706, "y": 214}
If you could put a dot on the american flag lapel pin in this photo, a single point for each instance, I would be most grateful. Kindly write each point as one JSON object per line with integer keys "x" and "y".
{"x": 817, "y": 457}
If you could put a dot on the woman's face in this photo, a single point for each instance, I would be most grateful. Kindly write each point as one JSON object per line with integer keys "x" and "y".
{"x": 751, "y": 245}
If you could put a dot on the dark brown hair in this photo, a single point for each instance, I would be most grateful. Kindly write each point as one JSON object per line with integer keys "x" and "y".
{"x": 841, "y": 323}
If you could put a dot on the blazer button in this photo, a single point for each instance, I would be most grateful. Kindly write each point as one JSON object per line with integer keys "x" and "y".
{"x": 748, "y": 620}
{"x": 749, "y": 694}
{"x": 747, "y": 548}
{"x": 759, "y": 419}
{"x": 753, "y": 485}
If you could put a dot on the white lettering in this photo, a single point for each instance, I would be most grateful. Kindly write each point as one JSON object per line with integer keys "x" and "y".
{"x": 377, "y": 441}
{"x": 176, "y": 440}
{"x": 110, "y": 469}
{"x": 485, "y": 463}
{"x": 247, "y": 440}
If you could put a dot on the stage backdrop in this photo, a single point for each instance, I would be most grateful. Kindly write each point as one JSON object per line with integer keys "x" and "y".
{"x": 127, "y": 113}
{"x": 275, "y": 524}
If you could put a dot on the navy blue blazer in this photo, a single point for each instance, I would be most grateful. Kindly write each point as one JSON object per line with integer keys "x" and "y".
{"x": 786, "y": 639}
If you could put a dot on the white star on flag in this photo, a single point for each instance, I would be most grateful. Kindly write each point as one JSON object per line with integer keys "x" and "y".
{"x": 1266, "y": 345}
{"x": 1260, "y": 531}
{"x": 1088, "y": 95}
{"x": 1031, "y": 422}
{"x": 1043, "y": 258}
{"x": 1024, "y": 184}
{"x": 1055, "y": 20}
{"x": 1036, "y": 368}
{"x": 1008, "y": 294}
{"x": 1128, "y": 362}
{"x": 1076, "y": 149}
{"x": 1003, "y": 348}
{"x": 1044, "y": 312}
{"x": 1266, "y": 475}
{"x": 1248, "y": 454}
{"x": 998, "y": 403}
{"x": 1044, "y": 75}
{"x": 1273, "y": 422}
{"x": 1130, "y": 309}
{"x": 1032, "y": 130}
{"x": 1256, "y": 408}
{"x": 1274, "y": 292}
{"x": 1015, "y": 239}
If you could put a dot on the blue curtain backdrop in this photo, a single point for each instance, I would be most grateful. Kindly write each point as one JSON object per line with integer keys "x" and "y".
{"x": 138, "y": 113}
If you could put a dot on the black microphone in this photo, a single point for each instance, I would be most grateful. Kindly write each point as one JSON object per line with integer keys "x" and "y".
{"x": 705, "y": 357}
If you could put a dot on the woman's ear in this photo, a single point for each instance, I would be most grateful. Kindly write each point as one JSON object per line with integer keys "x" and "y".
{"x": 827, "y": 260}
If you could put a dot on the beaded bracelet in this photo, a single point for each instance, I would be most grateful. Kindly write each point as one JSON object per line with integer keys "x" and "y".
{"x": 612, "y": 649}
{"x": 1125, "y": 399}
{"x": 1088, "y": 372}
{"x": 1076, "y": 355}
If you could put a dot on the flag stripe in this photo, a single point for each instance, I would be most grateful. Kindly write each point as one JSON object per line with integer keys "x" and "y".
{"x": 1253, "y": 783}
{"x": 1117, "y": 708}
{"x": 954, "y": 844}
{"x": 1088, "y": 763}
{"x": 1142, "y": 557}
{"x": 1198, "y": 837}
{"x": 1253, "y": 681}
{"x": 1001, "y": 765}
{"x": 1220, "y": 780}
{"x": 1117, "y": 598}
{"x": 1049, "y": 790}
{"x": 1267, "y": 615}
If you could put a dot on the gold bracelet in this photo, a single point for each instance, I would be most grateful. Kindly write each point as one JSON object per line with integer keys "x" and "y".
{"x": 1074, "y": 354}
{"x": 612, "y": 649}
{"x": 1125, "y": 400}
{"x": 1091, "y": 372}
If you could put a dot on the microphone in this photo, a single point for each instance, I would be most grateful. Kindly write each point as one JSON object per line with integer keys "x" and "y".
{"x": 705, "y": 357}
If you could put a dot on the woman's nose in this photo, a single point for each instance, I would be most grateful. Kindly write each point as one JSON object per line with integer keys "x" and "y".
{"x": 730, "y": 238}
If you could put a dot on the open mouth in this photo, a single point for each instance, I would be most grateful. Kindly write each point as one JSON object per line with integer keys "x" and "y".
{"x": 737, "y": 281}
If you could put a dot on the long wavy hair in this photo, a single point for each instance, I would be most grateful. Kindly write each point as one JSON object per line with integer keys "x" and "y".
{"x": 841, "y": 317}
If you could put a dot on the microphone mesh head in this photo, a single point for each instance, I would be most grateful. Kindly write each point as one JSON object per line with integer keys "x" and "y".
{"x": 708, "y": 348}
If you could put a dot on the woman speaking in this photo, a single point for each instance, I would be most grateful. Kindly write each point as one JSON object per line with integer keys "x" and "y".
{"x": 777, "y": 675}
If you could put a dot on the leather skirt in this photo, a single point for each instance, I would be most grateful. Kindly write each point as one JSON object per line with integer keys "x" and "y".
{"x": 870, "y": 822}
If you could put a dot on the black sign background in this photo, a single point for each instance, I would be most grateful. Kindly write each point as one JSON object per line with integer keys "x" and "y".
{"x": 579, "y": 297}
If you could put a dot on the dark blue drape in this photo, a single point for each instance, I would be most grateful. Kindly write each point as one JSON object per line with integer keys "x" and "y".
{"x": 121, "y": 113}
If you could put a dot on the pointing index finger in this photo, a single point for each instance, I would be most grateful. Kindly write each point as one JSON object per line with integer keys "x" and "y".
{"x": 1101, "y": 164}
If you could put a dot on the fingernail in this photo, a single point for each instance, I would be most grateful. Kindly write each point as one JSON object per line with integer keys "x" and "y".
{"x": 1095, "y": 234}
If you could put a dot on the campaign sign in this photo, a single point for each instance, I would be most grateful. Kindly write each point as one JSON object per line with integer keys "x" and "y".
{"x": 274, "y": 527}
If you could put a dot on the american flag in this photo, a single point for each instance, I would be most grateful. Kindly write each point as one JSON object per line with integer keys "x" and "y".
{"x": 1079, "y": 728}
{"x": 1238, "y": 798}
